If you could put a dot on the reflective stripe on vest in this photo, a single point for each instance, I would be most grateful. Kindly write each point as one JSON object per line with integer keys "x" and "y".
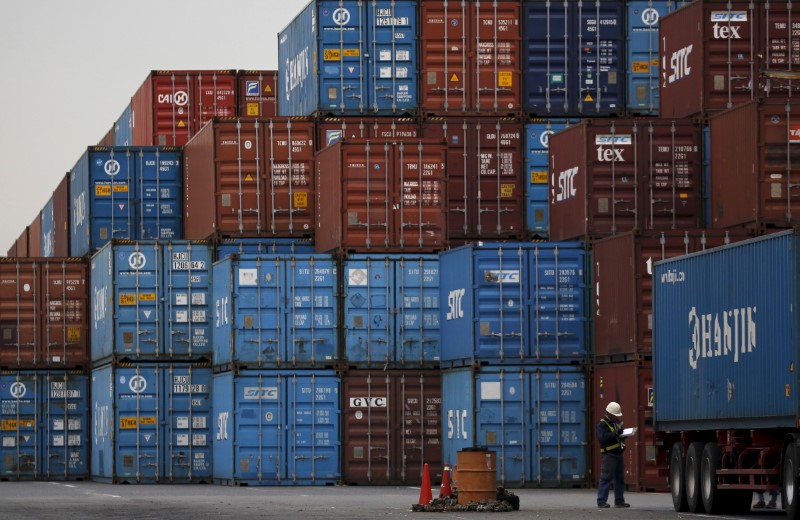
{"x": 610, "y": 446}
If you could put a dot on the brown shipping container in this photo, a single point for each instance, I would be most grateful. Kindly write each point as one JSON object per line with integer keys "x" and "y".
{"x": 22, "y": 243}
{"x": 108, "y": 139}
{"x": 386, "y": 196}
{"x": 65, "y": 313}
{"x": 485, "y": 176}
{"x": 256, "y": 92}
{"x": 35, "y": 236}
{"x": 755, "y": 166}
{"x": 332, "y": 129}
{"x": 471, "y": 62}
{"x": 12, "y": 251}
{"x": 20, "y": 313}
{"x": 631, "y": 385}
{"x": 171, "y": 106}
{"x": 250, "y": 177}
{"x": 392, "y": 426}
{"x": 622, "y": 268}
{"x": 61, "y": 209}
{"x": 611, "y": 176}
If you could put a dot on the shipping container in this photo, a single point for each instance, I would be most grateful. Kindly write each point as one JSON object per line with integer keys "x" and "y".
{"x": 123, "y": 128}
{"x": 45, "y": 425}
{"x": 333, "y": 129}
{"x": 485, "y": 175}
{"x": 391, "y": 310}
{"x": 56, "y": 221}
{"x": 382, "y": 195}
{"x": 471, "y": 63}
{"x": 23, "y": 243}
{"x": 514, "y": 303}
{"x": 151, "y": 301}
{"x": 248, "y": 177}
{"x": 533, "y": 417}
{"x": 12, "y": 251}
{"x": 392, "y": 426}
{"x": 343, "y": 57}
{"x": 108, "y": 138}
{"x": 126, "y": 193}
{"x": 226, "y": 247}
{"x": 277, "y": 428}
{"x": 153, "y": 423}
{"x": 256, "y": 93}
{"x": 573, "y": 58}
{"x": 34, "y": 237}
{"x": 754, "y": 166}
{"x": 610, "y": 176}
{"x": 170, "y": 107}
{"x": 276, "y": 310}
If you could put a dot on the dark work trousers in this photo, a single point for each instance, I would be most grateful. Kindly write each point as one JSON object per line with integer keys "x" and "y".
{"x": 612, "y": 470}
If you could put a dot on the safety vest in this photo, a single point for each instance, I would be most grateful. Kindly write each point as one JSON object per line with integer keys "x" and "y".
{"x": 610, "y": 447}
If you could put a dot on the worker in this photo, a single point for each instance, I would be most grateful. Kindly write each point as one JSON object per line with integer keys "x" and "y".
{"x": 612, "y": 465}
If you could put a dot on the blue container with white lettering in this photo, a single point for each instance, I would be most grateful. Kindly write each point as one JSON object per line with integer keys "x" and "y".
{"x": 533, "y": 418}
{"x": 262, "y": 246}
{"x": 272, "y": 311}
{"x": 349, "y": 58}
{"x": 48, "y": 229}
{"x": 277, "y": 427}
{"x": 514, "y": 303}
{"x": 123, "y": 128}
{"x": 391, "y": 310}
{"x": 725, "y": 336}
{"x": 127, "y": 193}
{"x": 152, "y": 423}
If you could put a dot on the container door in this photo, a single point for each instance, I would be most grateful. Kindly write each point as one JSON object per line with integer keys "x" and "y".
{"x": 417, "y": 341}
{"x": 65, "y": 318}
{"x": 173, "y": 108}
{"x": 112, "y": 174}
{"x": 368, "y": 404}
{"x": 460, "y": 308}
{"x": 65, "y": 442}
{"x": 496, "y": 50}
{"x": 547, "y": 46}
{"x": 444, "y": 30}
{"x": 537, "y": 163}
{"x": 20, "y": 422}
{"x": 417, "y": 426}
{"x": 367, "y": 176}
{"x": 642, "y": 56}
{"x": 257, "y": 428}
{"x": 20, "y": 309}
{"x": 187, "y": 294}
{"x": 343, "y": 68}
{"x": 257, "y": 310}
{"x": 214, "y": 93}
{"x": 599, "y": 55}
{"x": 393, "y": 48}
{"x": 420, "y": 214}
{"x": 368, "y": 307}
{"x": 137, "y": 297}
{"x": 138, "y": 394}
{"x": 187, "y": 452}
{"x": 159, "y": 179}
{"x": 312, "y": 311}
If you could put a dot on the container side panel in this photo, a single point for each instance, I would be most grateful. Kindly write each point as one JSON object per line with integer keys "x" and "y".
{"x": 300, "y": 63}
{"x": 159, "y": 183}
{"x": 65, "y": 313}
{"x": 312, "y": 335}
{"x": 67, "y": 431}
{"x": 20, "y": 457}
{"x": 20, "y": 314}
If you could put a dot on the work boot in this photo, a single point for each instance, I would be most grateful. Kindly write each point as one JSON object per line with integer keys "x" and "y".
{"x": 603, "y": 505}
{"x": 773, "y": 503}
{"x": 759, "y": 505}
{"x": 622, "y": 504}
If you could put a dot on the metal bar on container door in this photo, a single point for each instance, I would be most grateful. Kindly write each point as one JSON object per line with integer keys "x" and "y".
{"x": 477, "y": 54}
{"x": 138, "y": 420}
{"x": 557, "y": 286}
{"x": 171, "y": 305}
{"x": 566, "y": 58}
{"x": 158, "y": 196}
{"x": 171, "y": 432}
{"x": 190, "y": 301}
{"x": 367, "y": 170}
{"x": 63, "y": 315}
{"x": 314, "y": 420}
{"x": 388, "y": 186}
{"x": 312, "y": 302}
{"x": 399, "y": 299}
{"x": 240, "y": 212}
{"x": 558, "y": 414}
{"x": 260, "y": 427}
{"x": 523, "y": 413}
{"x": 789, "y": 140}
{"x": 374, "y": 55}
{"x": 597, "y": 90}
{"x": 293, "y": 432}
{"x": 502, "y": 441}
{"x": 388, "y": 317}
{"x": 496, "y": 89}
{"x": 446, "y": 76}
{"x": 273, "y": 212}
{"x": 291, "y": 302}
{"x": 651, "y": 176}
{"x": 636, "y": 188}
{"x": 498, "y": 165}
{"x": 46, "y": 316}
{"x": 190, "y": 436}
{"x": 674, "y": 174}
{"x": 38, "y": 414}
{"x": 257, "y": 144}
{"x": 465, "y": 175}
{"x": 580, "y": 25}
{"x": 464, "y": 73}
{"x": 537, "y": 456}
{"x": 290, "y": 177}
{"x": 521, "y": 257}
{"x": 652, "y": 56}
{"x": 369, "y": 420}
{"x": 478, "y": 140}
{"x": 535, "y": 298}
{"x": 405, "y": 431}
{"x": 155, "y": 119}
{"x": 48, "y": 395}
{"x": 614, "y": 181}
{"x": 420, "y": 223}
{"x": 388, "y": 428}
{"x": 501, "y": 334}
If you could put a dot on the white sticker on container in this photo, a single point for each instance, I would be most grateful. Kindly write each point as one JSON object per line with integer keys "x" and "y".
{"x": 182, "y": 316}
{"x": 357, "y": 277}
{"x": 58, "y": 440}
{"x": 198, "y": 299}
{"x": 199, "y": 439}
{"x": 385, "y": 55}
{"x": 74, "y": 424}
{"x": 182, "y": 422}
{"x": 74, "y": 440}
{"x": 491, "y": 390}
{"x": 181, "y": 298}
{"x": 9, "y": 442}
{"x": 198, "y": 316}
{"x": 385, "y": 72}
{"x": 403, "y": 55}
{"x": 182, "y": 439}
{"x": 248, "y": 277}
{"x": 401, "y": 72}
{"x": 198, "y": 422}
{"x": 58, "y": 425}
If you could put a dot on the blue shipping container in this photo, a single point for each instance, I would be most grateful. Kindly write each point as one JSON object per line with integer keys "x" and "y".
{"x": 125, "y": 192}
{"x": 48, "y": 229}
{"x": 534, "y": 418}
{"x": 123, "y": 128}
{"x": 573, "y": 58}
{"x": 514, "y": 303}
{"x": 349, "y": 58}
{"x": 277, "y": 428}
{"x": 263, "y": 246}
{"x": 45, "y": 425}
{"x": 152, "y": 423}
{"x": 391, "y": 310}
{"x": 276, "y": 310}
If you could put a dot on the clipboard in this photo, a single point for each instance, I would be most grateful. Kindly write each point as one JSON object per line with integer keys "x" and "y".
{"x": 627, "y": 432}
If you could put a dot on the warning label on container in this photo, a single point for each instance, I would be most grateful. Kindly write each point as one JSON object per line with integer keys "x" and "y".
{"x": 14, "y": 425}
{"x": 454, "y": 78}
{"x": 507, "y": 190}
{"x": 794, "y": 133}
{"x": 539, "y": 177}
{"x": 73, "y": 334}
{"x": 300, "y": 200}
{"x": 640, "y": 66}
{"x": 253, "y": 109}
{"x": 505, "y": 79}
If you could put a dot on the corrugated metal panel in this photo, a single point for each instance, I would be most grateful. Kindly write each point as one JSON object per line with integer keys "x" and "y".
{"x": 725, "y": 337}
{"x": 262, "y": 246}
{"x": 257, "y": 93}
{"x": 34, "y": 237}
{"x": 20, "y": 457}
{"x": 65, "y": 313}
{"x": 123, "y": 128}
{"x": 533, "y": 417}
{"x": 61, "y": 219}
{"x": 20, "y": 313}
{"x": 392, "y": 426}
{"x": 333, "y": 129}
{"x": 159, "y": 183}
{"x": 514, "y": 303}
{"x": 277, "y": 428}
{"x": 23, "y": 242}
{"x": 108, "y": 138}
{"x": 778, "y": 26}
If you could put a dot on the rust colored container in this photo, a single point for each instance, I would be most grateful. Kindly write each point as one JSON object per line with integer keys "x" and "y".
{"x": 470, "y": 62}
{"x": 61, "y": 213}
{"x": 476, "y": 475}
{"x": 622, "y": 268}
{"x": 170, "y": 107}
{"x": 250, "y": 177}
{"x": 35, "y": 236}
{"x": 65, "y": 313}
{"x": 392, "y": 426}
{"x": 755, "y": 166}
{"x": 631, "y": 385}
{"x": 256, "y": 92}
{"x": 384, "y": 196}
{"x": 108, "y": 139}
{"x": 332, "y": 129}
{"x": 20, "y": 313}
{"x": 23, "y": 243}
{"x": 611, "y": 176}
{"x": 12, "y": 251}
{"x": 485, "y": 176}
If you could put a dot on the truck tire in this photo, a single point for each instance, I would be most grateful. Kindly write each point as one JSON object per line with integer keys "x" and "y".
{"x": 713, "y": 500}
{"x": 789, "y": 481}
{"x": 677, "y": 480}
{"x": 694, "y": 456}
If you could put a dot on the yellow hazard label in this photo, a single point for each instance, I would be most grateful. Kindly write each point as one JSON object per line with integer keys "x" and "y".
{"x": 73, "y": 334}
{"x": 253, "y": 109}
{"x": 13, "y": 425}
{"x": 267, "y": 89}
{"x": 331, "y": 55}
{"x": 127, "y": 423}
{"x": 654, "y": 63}
{"x": 588, "y": 98}
{"x": 351, "y": 53}
{"x": 454, "y": 78}
{"x": 127, "y": 299}
{"x": 102, "y": 191}
{"x": 683, "y": 195}
{"x": 248, "y": 177}
{"x": 507, "y": 190}
{"x": 120, "y": 188}
{"x": 539, "y": 177}
{"x": 301, "y": 200}
{"x": 181, "y": 124}
{"x": 147, "y": 297}
{"x": 505, "y": 79}
{"x": 640, "y": 66}
{"x": 147, "y": 420}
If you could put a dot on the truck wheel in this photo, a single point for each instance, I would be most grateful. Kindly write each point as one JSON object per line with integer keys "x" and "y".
{"x": 692, "y": 477}
{"x": 712, "y": 499}
{"x": 677, "y": 481}
{"x": 789, "y": 481}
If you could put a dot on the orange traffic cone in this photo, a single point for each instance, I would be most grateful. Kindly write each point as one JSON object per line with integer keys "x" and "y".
{"x": 425, "y": 495}
{"x": 445, "y": 490}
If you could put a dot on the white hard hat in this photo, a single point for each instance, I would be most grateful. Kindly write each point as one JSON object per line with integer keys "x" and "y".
{"x": 614, "y": 409}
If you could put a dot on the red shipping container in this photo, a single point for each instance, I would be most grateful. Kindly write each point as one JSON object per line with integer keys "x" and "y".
{"x": 622, "y": 270}
{"x": 35, "y": 236}
{"x": 755, "y": 166}
{"x": 12, "y": 251}
{"x": 23, "y": 243}
{"x": 471, "y": 58}
{"x": 631, "y": 385}
{"x": 392, "y": 426}
{"x": 386, "y": 196}
{"x": 108, "y": 139}
{"x": 61, "y": 213}
{"x": 332, "y": 129}
{"x": 485, "y": 176}
{"x": 256, "y": 92}
{"x": 250, "y": 177}
{"x": 611, "y": 176}
{"x": 170, "y": 107}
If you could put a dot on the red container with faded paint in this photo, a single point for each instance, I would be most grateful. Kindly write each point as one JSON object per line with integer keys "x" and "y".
{"x": 61, "y": 212}
{"x": 382, "y": 196}
{"x": 631, "y": 385}
{"x": 470, "y": 62}
{"x": 609, "y": 176}
{"x": 170, "y": 107}
{"x": 392, "y": 426}
{"x": 12, "y": 251}
{"x": 35, "y": 236}
{"x": 332, "y": 129}
{"x": 755, "y": 166}
{"x": 622, "y": 267}
{"x": 23, "y": 243}
{"x": 256, "y": 93}
{"x": 485, "y": 176}
{"x": 250, "y": 177}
